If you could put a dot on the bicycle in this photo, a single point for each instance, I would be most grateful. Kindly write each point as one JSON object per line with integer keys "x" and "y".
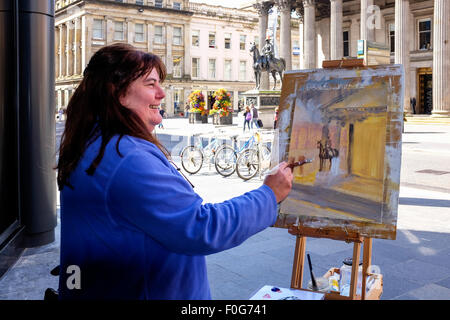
{"x": 226, "y": 156}
{"x": 193, "y": 156}
{"x": 253, "y": 160}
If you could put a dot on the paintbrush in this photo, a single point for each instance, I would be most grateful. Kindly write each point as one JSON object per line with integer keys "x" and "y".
{"x": 313, "y": 279}
{"x": 299, "y": 163}
{"x": 290, "y": 165}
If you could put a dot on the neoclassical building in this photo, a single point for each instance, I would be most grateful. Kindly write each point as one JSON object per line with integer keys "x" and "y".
{"x": 416, "y": 31}
{"x": 204, "y": 47}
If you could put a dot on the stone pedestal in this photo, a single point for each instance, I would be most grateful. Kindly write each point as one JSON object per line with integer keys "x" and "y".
{"x": 265, "y": 102}
{"x": 225, "y": 120}
{"x": 197, "y": 118}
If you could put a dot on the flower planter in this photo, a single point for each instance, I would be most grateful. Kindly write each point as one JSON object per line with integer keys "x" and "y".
{"x": 225, "y": 120}
{"x": 197, "y": 118}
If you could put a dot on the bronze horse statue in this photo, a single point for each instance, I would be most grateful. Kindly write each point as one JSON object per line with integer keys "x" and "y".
{"x": 326, "y": 152}
{"x": 275, "y": 66}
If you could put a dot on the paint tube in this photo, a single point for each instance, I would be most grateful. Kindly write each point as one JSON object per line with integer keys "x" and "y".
{"x": 333, "y": 281}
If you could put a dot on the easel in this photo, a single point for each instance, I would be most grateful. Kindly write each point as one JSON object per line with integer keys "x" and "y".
{"x": 299, "y": 258}
{"x": 303, "y": 232}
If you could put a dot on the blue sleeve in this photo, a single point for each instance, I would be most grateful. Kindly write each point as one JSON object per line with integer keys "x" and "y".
{"x": 147, "y": 193}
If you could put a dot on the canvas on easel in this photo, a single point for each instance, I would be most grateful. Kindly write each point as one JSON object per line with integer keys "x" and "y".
{"x": 349, "y": 123}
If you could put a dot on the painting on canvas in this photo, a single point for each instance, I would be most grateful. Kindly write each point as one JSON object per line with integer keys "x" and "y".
{"x": 349, "y": 123}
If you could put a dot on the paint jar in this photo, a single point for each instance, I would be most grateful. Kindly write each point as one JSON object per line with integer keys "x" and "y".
{"x": 346, "y": 275}
{"x": 322, "y": 284}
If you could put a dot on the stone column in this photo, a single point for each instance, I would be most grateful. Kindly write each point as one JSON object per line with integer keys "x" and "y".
{"x": 68, "y": 48}
{"x": 60, "y": 51}
{"x": 169, "y": 100}
{"x": 130, "y": 31}
{"x": 83, "y": 43}
{"x": 354, "y": 37}
{"x": 169, "y": 57}
{"x": 187, "y": 51}
{"x": 284, "y": 7}
{"x": 441, "y": 59}
{"x": 310, "y": 33}
{"x": 337, "y": 41}
{"x": 402, "y": 45}
{"x": 75, "y": 46}
{"x": 109, "y": 30}
{"x": 367, "y": 32}
{"x": 150, "y": 37}
{"x": 301, "y": 42}
{"x": 263, "y": 12}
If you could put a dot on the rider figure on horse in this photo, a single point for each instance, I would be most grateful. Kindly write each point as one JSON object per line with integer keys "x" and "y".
{"x": 267, "y": 52}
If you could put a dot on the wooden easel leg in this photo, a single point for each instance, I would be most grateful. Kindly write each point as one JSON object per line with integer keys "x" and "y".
{"x": 299, "y": 259}
{"x": 355, "y": 266}
{"x": 367, "y": 261}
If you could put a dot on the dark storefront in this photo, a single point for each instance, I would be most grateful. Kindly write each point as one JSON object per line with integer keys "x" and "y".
{"x": 27, "y": 127}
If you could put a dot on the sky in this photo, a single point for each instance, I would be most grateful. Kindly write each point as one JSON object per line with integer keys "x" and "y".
{"x": 224, "y": 3}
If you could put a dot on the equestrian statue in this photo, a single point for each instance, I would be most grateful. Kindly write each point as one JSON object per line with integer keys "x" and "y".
{"x": 267, "y": 62}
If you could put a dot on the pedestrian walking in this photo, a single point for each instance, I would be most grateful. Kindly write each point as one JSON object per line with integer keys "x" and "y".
{"x": 247, "y": 117}
{"x": 162, "y": 112}
{"x": 275, "y": 121}
{"x": 186, "y": 110}
{"x": 413, "y": 104}
{"x": 254, "y": 116}
{"x": 130, "y": 222}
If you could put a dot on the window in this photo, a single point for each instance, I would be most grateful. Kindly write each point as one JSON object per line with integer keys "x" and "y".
{"x": 425, "y": 34}
{"x": 195, "y": 38}
{"x": 97, "y": 30}
{"x": 139, "y": 32}
{"x": 159, "y": 3}
{"x": 242, "y": 39}
{"x": 176, "y": 67}
{"x": 212, "y": 68}
{"x": 158, "y": 34}
{"x": 195, "y": 67}
{"x": 242, "y": 70}
{"x": 346, "y": 52}
{"x": 118, "y": 30}
{"x": 139, "y": 1}
{"x": 212, "y": 40}
{"x": 177, "y": 39}
{"x": 392, "y": 37}
{"x": 227, "y": 70}
{"x": 177, "y": 5}
{"x": 227, "y": 44}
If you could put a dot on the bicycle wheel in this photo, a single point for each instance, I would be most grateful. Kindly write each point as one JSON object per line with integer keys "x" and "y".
{"x": 247, "y": 164}
{"x": 225, "y": 160}
{"x": 191, "y": 159}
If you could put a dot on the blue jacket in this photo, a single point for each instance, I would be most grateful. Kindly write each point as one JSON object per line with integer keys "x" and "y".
{"x": 137, "y": 230}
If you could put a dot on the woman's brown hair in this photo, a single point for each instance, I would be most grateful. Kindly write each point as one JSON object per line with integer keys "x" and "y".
{"x": 95, "y": 111}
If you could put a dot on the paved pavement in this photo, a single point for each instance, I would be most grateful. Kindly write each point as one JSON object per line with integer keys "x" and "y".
{"x": 414, "y": 266}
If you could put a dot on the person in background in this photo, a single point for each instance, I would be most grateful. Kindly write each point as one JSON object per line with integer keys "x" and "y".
{"x": 247, "y": 117}
{"x": 413, "y": 104}
{"x": 130, "y": 222}
{"x": 275, "y": 121}
{"x": 162, "y": 112}
{"x": 186, "y": 110}
{"x": 254, "y": 116}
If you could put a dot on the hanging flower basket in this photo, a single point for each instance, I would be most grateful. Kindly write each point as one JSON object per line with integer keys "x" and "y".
{"x": 222, "y": 110}
{"x": 197, "y": 112}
